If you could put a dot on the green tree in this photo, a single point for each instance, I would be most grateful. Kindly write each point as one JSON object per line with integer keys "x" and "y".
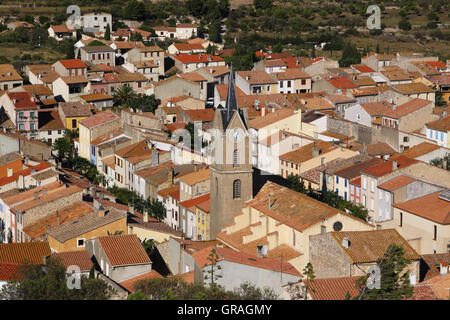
{"x": 138, "y": 295}
{"x": 212, "y": 274}
{"x": 308, "y": 271}
{"x": 263, "y": 4}
{"x": 35, "y": 282}
{"x": 123, "y": 95}
{"x": 394, "y": 280}
{"x": 157, "y": 209}
{"x": 108, "y": 32}
{"x": 350, "y": 55}
{"x": 404, "y": 24}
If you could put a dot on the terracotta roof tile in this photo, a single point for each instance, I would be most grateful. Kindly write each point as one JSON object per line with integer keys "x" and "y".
{"x": 420, "y": 150}
{"x": 99, "y": 118}
{"x": 256, "y": 77}
{"x": 39, "y": 228}
{"x": 74, "y": 258}
{"x": 129, "y": 284}
{"x": 369, "y": 246}
{"x": 32, "y": 252}
{"x": 407, "y": 108}
{"x": 197, "y": 58}
{"x": 73, "y": 63}
{"x": 124, "y": 250}
{"x": 384, "y": 168}
{"x": 440, "y": 285}
{"x": 305, "y": 153}
{"x": 270, "y": 118}
{"x": 430, "y": 207}
{"x": 409, "y": 88}
{"x": 333, "y": 288}
{"x": 9, "y": 271}
{"x": 195, "y": 201}
{"x": 196, "y": 176}
{"x": 396, "y": 183}
{"x": 8, "y": 73}
{"x": 442, "y": 125}
{"x": 341, "y": 82}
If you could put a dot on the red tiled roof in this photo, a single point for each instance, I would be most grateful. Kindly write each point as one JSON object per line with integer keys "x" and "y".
{"x": 430, "y": 207}
{"x": 124, "y": 250}
{"x": 243, "y": 258}
{"x": 363, "y": 68}
{"x": 407, "y": 108}
{"x": 192, "y": 202}
{"x": 73, "y": 63}
{"x": 99, "y": 118}
{"x": 129, "y": 284}
{"x": 437, "y": 64}
{"x": 8, "y": 271}
{"x": 32, "y": 252}
{"x": 342, "y": 83}
{"x": 333, "y": 288}
{"x": 197, "y": 58}
{"x": 381, "y": 169}
{"x": 424, "y": 291}
{"x": 61, "y": 28}
{"x": 200, "y": 115}
{"x": 22, "y": 100}
{"x": 188, "y": 46}
{"x": 74, "y": 258}
{"x": 397, "y": 182}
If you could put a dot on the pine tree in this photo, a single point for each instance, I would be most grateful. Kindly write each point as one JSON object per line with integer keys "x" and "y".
{"x": 308, "y": 271}
{"x": 213, "y": 258}
{"x": 394, "y": 281}
{"x": 108, "y": 32}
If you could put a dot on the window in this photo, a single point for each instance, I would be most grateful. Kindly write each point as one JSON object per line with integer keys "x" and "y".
{"x": 32, "y": 126}
{"x": 81, "y": 242}
{"x": 372, "y": 204}
{"x": 21, "y": 127}
{"x": 303, "y": 81}
{"x": 49, "y": 132}
{"x": 372, "y": 186}
{"x": 345, "y": 182}
{"x": 364, "y": 183}
{"x": 345, "y": 195}
{"x": 401, "y": 219}
{"x": 236, "y": 158}
{"x": 236, "y": 189}
{"x": 337, "y": 180}
{"x": 358, "y": 116}
{"x": 435, "y": 233}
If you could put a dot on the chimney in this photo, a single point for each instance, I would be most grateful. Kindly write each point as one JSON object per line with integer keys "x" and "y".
{"x": 259, "y": 251}
{"x": 443, "y": 268}
{"x": 36, "y": 195}
{"x": 145, "y": 216}
{"x": 315, "y": 151}
{"x": 44, "y": 192}
{"x": 323, "y": 229}
{"x": 171, "y": 175}
{"x": 346, "y": 243}
{"x": 155, "y": 157}
{"x": 101, "y": 211}
{"x": 263, "y": 111}
{"x": 322, "y": 160}
{"x": 394, "y": 165}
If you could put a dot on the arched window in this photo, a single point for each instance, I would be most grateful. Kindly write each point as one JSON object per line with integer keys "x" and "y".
{"x": 236, "y": 189}
{"x": 236, "y": 158}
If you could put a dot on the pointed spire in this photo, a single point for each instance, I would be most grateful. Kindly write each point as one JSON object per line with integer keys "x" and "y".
{"x": 231, "y": 103}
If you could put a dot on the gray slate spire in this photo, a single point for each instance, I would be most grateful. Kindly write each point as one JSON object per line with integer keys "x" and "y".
{"x": 231, "y": 103}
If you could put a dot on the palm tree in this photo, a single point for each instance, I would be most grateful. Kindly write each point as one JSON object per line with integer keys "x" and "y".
{"x": 123, "y": 95}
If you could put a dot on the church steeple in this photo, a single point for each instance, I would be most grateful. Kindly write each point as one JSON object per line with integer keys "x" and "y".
{"x": 231, "y": 103}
